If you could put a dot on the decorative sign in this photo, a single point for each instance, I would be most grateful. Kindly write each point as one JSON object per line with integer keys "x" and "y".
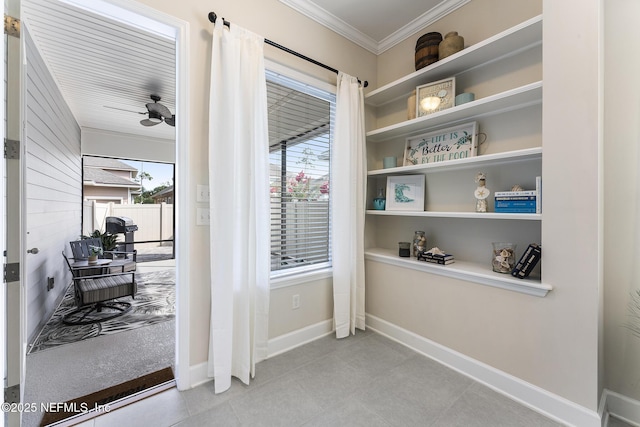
{"x": 452, "y": 143}
{"x": 435, "y": 96}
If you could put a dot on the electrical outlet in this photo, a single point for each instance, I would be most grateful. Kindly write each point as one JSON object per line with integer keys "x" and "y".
{"x": 202, "y": 193}
{"x": 203, "y": 216}
{"x": 50, "y": 281}
{"x": 295, "y": 302}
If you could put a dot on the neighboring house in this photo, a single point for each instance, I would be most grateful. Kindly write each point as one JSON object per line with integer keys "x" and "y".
{"x": 109, "y": 180}
{"x": 163, "y": 196}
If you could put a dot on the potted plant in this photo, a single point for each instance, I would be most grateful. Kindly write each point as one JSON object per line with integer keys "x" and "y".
{"x": 94, "y": 252}
{"x": 108, "y": 240}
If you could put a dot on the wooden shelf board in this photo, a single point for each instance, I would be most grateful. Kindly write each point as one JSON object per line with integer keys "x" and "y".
{"x": 527, "y": 154}
{"x": 509, "y": 100}
{"x": 467, "y": 215}
{"x": 509, "y": 42}
{"x": 462, "y": 270}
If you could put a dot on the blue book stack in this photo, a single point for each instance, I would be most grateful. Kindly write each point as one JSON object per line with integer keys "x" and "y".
{"x": 516, "y": 201}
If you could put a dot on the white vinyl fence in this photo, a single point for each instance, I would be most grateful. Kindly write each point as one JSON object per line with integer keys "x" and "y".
{"x": 299, "y": 233}
{"x": 155, "y": 222}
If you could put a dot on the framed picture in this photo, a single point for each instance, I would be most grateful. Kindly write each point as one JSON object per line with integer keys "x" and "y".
{"x": 435, "y": 96}
{"x": 458, "y": 142}
{"x": 405, "y": 193}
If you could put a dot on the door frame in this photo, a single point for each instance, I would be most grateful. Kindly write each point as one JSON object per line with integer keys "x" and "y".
{"x": 12, "y": 203}
{"x": 152, "y": 20}
{"x": 3, "y": 212}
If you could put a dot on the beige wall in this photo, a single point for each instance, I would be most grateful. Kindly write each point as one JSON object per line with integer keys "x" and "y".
{"x": 279, "y": 23}
{"x": 621, "y": 190}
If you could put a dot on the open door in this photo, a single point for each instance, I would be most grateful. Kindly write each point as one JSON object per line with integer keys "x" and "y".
{"x": 13, "y": 351}
{"x": 3, "y": 213}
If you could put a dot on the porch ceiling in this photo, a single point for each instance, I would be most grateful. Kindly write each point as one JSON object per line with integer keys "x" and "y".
{"x": 99, "y": 63}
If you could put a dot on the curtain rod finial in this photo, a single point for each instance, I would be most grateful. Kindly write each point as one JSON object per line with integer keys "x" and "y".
{"x": 213, "y": 17}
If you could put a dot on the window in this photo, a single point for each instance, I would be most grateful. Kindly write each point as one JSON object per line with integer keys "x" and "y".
{"x": 300, "y": 135}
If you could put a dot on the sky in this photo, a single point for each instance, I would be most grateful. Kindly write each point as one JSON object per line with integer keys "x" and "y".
{"x": 162, "y": 173}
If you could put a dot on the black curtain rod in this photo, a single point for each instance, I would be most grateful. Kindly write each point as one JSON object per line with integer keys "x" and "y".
{"x": 213, "y": 17}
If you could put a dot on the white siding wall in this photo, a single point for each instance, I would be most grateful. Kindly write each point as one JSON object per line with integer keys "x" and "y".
{"x": 54, "y": 188}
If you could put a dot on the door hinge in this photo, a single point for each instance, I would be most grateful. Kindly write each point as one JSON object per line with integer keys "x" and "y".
{"x": 11, "y": 26}
{"x": 11, "y": 149}
{"x": 12, "y": 394}
{"x": 12, "y": 272}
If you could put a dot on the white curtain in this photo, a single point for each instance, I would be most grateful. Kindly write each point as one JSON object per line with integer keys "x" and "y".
{"x": 348, "y": 199}
{"x": 239, "y": 184}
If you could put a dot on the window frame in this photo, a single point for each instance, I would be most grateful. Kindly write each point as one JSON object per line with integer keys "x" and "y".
{"x": 316, "y": 87}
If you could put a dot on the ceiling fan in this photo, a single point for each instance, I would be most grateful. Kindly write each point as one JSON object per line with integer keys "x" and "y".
{"x": 156, "y": 112}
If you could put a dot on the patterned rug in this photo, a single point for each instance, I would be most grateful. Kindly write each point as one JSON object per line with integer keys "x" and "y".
{"x": 154, "y": 303}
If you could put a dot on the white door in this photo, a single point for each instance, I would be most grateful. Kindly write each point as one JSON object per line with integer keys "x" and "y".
{"x": 13, "y": 353}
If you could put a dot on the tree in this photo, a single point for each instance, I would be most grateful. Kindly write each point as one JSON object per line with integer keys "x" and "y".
{"x": 144, "y": 196}
{"x": 142, "y": 177}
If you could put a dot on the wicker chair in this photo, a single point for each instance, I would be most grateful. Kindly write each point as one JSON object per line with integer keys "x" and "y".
{"x": 95, "y": 295}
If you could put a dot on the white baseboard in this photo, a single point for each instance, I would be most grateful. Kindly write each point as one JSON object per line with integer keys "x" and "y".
{"x": 286, "y": 342}
{"x": 622, "y": 407}
{"x": 283, "y": 343}
{"x": 198, "y": 374}
{"x": 553, "y": 406}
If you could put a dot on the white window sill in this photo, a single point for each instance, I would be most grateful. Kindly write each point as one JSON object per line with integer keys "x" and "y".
{"x": 295, "y": 279}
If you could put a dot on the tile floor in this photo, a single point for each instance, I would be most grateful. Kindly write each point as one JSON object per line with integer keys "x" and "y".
{"x": 366, "y": 380}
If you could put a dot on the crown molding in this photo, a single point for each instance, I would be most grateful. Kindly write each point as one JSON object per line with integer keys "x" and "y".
{"x": 421, "y": 22}
{"x": 332, "y": 22}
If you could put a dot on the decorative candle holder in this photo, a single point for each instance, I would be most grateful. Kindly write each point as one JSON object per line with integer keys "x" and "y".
{"x": 404, "y": 249}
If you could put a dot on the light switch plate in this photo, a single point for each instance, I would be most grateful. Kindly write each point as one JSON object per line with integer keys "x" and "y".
{"x": 203, "y": 216}
{"x": 202, "y": 193}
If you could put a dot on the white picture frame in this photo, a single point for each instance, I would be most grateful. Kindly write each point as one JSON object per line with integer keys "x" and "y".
{"x": 405, "y": 193}
{"x": 435, "y": 96}
{"x": 448, "y": 144}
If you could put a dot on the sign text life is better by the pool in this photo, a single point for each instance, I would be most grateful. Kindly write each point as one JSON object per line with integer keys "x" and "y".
{"x": 452, "y": 143}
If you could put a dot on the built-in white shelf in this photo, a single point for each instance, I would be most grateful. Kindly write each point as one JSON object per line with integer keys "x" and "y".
{"x": 509, "y": 42}
{"x": 485, "y": 160}
{"x": 471, "y": 272}
{"x": 468, "y": 215}
{"x": 510, "y": 100}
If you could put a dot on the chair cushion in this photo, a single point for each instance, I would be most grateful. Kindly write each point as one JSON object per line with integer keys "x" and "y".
{"x": 106, "y": 288}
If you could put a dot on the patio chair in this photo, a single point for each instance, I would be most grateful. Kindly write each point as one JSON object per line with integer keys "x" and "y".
{"x": 123, "y": 261}
{"x": 95, "y": 294}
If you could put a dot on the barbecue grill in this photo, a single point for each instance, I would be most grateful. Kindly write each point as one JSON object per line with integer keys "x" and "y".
{"x": 122, "y": 225}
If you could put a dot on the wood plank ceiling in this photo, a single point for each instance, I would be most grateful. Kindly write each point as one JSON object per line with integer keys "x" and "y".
{"x": 100, "y": 63}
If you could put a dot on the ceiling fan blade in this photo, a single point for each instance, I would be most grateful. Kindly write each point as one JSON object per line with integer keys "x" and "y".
{"x": 122, "y": 109}
{"x": 147, "y": 122}
{"x": 159, "y": 108}
{"x": 171, "y": 121}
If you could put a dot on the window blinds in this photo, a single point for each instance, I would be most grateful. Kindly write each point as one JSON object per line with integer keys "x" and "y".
{"x": 300, "y": 135}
